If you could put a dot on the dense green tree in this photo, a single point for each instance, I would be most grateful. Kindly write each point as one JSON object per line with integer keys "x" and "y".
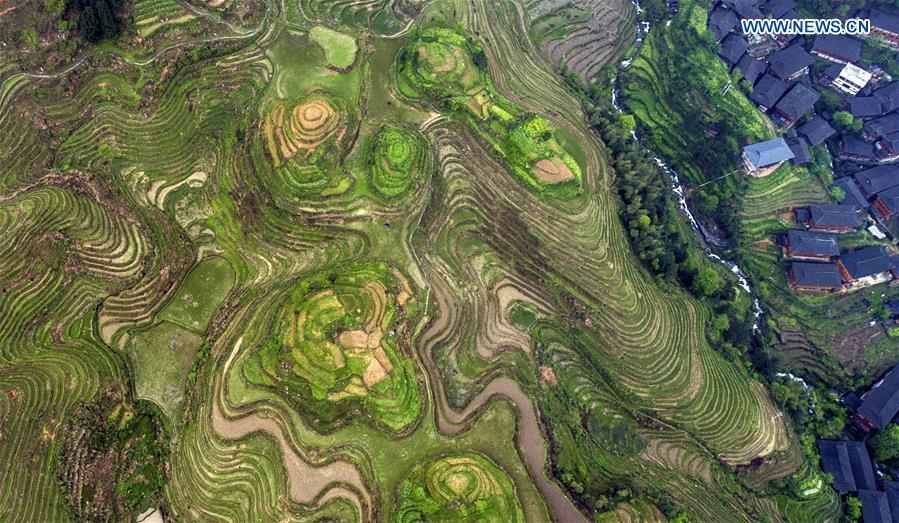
{"x": 853, "y": 508}
{"x": 844, "y": 121}
{"x": 89, "y": 25}
{"x": 837, "y": 194}
{"x": 107, "y": 20}
{"x": 885, "y": 444}
{"x": 707, "y": 282}
{"x": 55, "y": 7}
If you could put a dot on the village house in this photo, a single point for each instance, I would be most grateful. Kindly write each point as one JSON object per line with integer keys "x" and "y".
{"x": 814, "y": 276}
{"x": 866, "y": 266}
{"x": 801, "y": 154}
{"x": 732, "y": 49}
{"x": 853, "y": 148}
{"x": 810, "y": 246}
{"x": 790, "y": 63}
{"x": 849, "y": 463}
{"x": 880, "y": 127}
{"x": 763, "y": 158}
{"x": 864, "y": 107}
{"x": 884, "y": 132}
{"x": 877, "y": 507}
{"x": 880, "y": 404}
{"x": 852, "y": 194}
{"x": 832, "y": 218}
{"x": 872, "y": 181}
{"x": 767, "y": 92}
{"x": 795, "y": 104}
{"x": 887, "y": 148}
{"x": 851, "y": 79}
{"x": 750, "y": 68}
{"x": 888, "y": 96}
{"x": 837, "y": 48}
{"x": 721, "y": 22}
{"x": 884, "y": 25}
{"x": 778, "y": 8}
{"x": 816, "y": 130}
{"x": 744, "y": 8}
{"x": 886, "y": 204}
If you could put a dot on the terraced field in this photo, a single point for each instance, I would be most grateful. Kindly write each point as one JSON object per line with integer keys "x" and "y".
{"x": 393, "y": 291}
{"x": 583, "y": 35}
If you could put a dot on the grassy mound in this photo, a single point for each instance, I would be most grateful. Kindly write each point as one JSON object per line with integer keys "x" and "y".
{"x": 398, "y": 157}
{"x": 340, "y": 49}
{"x": 335, "y": 353}
{"x": 463, "y": 487}
{"x": 306, "y": 142}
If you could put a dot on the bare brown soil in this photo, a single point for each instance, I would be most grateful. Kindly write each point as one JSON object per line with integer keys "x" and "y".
{"x": 552, "y": 172}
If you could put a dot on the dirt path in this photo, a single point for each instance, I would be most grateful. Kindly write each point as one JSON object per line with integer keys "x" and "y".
{"x": 306, "y": 481}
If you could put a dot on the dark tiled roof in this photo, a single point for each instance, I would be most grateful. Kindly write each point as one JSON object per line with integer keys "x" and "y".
{"x": 887, "y": 21}
{"x": 778, "y": 8}
{"x": 855, "y": 146}
{"x": 890, "y": 198}
{"x": 848, "y": 49}
{"x": 875, "y": 506}
{"x": 732, "y": 48}
{"x": 769, "y": 152}
{"x": 833, "y": 71}
{"x": 872, "y": 181}
{"x": 816, "y": 130}
{"x": 789, "y": 61}
{"x": 826, "y": 275}
{"x": 835, "y": 461}
{"x": 893, "y": 499}
{"x": 892, "y": 140}
{"x": 864, "y": 262}
{"x": 768, "y": 91}
{"x": 798, "y": 101}
{"x": 854, "y": 196}
{"x": 883, "y": 126}
{"x": 745, "y": 8}
{"x": 880, "y": 404}
{"x": 810, "y": 242}
{"x": 721, "y": 22}
{"x": 864, "y": 106}
{"x": 888, "y": 96}
{"x": 849, "y": 464}
{"x": 835, "y": 215}
{"x": 801, "y": 154}
{"x": 750, "y": 68}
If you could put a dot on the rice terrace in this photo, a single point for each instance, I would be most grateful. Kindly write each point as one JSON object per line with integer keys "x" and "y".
{"x": 392, "y": 260}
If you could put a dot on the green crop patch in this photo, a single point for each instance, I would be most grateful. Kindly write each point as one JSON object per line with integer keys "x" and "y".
{"x": 340, "y": 49}
{"x": 444, "y": 67}
{"x": 398, "y": 158}
{"x": 162, "y": 358}
{"x": 199, "y": 297}
{"x": 306, "y": 142}
{"x": 336, "y": 349}
{"x": 463, "y": 487}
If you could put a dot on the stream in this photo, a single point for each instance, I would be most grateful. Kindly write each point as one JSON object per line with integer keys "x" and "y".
{"x": 705, "y": 237}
